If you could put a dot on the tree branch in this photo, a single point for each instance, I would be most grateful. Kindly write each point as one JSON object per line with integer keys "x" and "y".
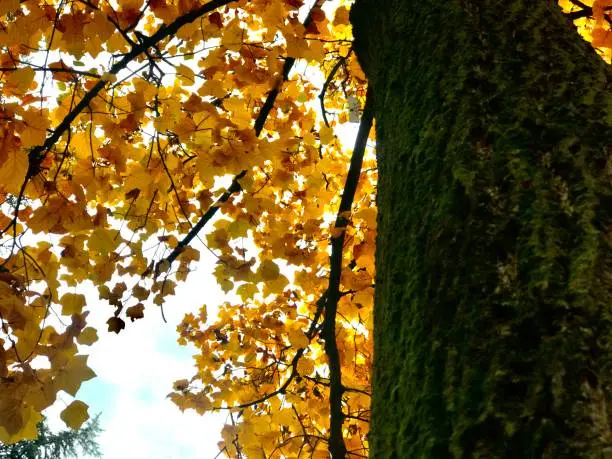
{"x": 37, "y": 153}
{"x": 337, "y": 448}
{"x": 259, "y": 124}
{"x": 287, "y": 66}
{"x": 341, "y": 60}
{"x": 585, "y": 11}
{"x": 53, "y": 70}
{"x": 210, "y": 213}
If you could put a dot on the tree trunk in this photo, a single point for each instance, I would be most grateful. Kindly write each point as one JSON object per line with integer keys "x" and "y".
{"x": 493, "y": 313}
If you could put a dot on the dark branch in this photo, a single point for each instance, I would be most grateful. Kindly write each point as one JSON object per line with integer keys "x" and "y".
{"x": 585, "y": 11}
{"x": 337, "y": 448}
{"x": 259, "y": 124}
{"x": 287, "y": 66}
{"x": 53, "y": 70}
{"x": 329, "y": 79}
{"x": 210, "y": 213}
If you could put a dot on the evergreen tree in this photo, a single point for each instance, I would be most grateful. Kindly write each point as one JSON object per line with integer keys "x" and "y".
{"x": 60, "y": 445}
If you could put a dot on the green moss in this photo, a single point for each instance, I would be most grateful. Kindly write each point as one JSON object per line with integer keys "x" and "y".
{"x": 493, "y": 304}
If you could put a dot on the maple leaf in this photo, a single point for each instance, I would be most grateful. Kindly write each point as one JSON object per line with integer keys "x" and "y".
{"x": 13, "y": 169}
{"x": 88, "y": 336}
{"x": 72, "y": 303}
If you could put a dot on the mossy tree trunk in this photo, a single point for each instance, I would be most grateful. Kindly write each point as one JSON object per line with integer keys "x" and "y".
{"x": 493, "y": 307}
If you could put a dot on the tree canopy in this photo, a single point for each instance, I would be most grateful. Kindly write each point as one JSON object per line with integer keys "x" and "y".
{"x": 135, "y": 134}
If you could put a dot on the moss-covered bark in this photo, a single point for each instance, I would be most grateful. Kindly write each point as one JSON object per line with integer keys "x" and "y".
{"x": 494, "y": 290}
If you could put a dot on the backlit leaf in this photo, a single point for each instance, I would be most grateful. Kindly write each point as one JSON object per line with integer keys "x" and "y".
{"x": 75, "y": 414}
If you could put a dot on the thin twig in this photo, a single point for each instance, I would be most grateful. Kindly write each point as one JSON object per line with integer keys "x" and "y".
{"x": 329, "y": 79}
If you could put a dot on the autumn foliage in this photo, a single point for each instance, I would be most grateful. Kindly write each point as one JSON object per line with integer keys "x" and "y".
{"x": 135, "y": 134}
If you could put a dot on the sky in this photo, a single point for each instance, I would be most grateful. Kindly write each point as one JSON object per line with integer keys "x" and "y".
{"x": 135, "y": 371}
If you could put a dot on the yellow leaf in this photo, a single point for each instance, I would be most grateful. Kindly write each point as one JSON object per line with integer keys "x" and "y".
{"x": 326, "y": 134}
{"x": 268, "y": 270}
{"x": 180, "y": 385}
{"x": 140, "y": 293}
{"x": 76, "y": 371}
{"x": 341, "y": 17}
{"x": 320, "y": 454}
{"x": 296, "y": 47}
{"x": 285, "y": 417}
{"x": 247, "y": 291}
{"x": 203, "y": 313}
{"x": 367, "y": 215}
{"x": 162, "y": 267}
{"x": 602, "y": 38}
{"x": 75, "y": 414}
{"x": 42, "y": 398}
{"x": 11, "y": 419}
{"x": 99, "y": 27}
{"x": 103, "y": 241}
{"x": 213, "y": 88}
{"x": 238, "y": 228}
{"x": 72, "y": 303}
{"x": 36, "y": 124}
{"x": 189, "y": 254}
{"x": 276, "y": 285}
{"x": 27, "y": 339}
{"x": 186, "y": 75}
{"x": 226, "y": 285}
{"x": 18, "y": 422}
{"x": 13, "y": 169}
{"x": 297, "y": 338}
{"x": 88, "y": 336}
{"x": 21, "y": 79}
{"x": 8, "y": 6}
{"x": 305, "y": 366}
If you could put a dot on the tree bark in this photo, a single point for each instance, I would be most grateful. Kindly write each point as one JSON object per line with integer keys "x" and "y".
{"x": 494, "y": 259}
